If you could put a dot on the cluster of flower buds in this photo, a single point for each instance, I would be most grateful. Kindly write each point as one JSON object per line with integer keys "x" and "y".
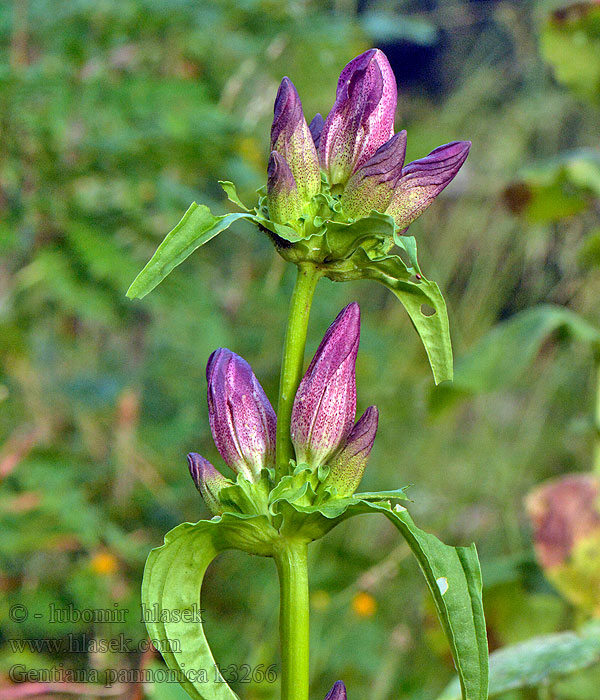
{"x": 243, "y": 423}
{"x": 356, "y": 148}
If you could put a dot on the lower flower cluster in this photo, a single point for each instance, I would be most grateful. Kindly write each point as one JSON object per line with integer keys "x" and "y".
{"x": 331, "y": 449}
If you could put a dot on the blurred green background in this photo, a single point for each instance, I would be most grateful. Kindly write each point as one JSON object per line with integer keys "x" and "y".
{"x": 114, "y": 116}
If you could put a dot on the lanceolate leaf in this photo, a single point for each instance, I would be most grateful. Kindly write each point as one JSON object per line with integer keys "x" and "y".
{"x": 454, "y": 579}
{"x": 196, "y": 228}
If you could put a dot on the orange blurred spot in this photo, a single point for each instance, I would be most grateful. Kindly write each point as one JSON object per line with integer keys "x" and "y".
{"x": 104, "y": 563}
{"x": 364, "y": 605}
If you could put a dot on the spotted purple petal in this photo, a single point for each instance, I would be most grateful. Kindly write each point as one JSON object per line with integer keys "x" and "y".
{"x": 209, "y": 481}
{"x": 347, "y": 466}
{"x": 362, "y": 118}
{"x": 422, "y": 181}
{"x": 372, "y": 185}
{"x": 325, "y": 404}
{"x": 283, "y": 199}
{"x": 292, "y": 139}
{"x": 241, "y": 418}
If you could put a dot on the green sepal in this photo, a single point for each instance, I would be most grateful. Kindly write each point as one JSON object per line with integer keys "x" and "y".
{"x": 231, "y": 191}
{"x": 246, "y": 496}
{"x": 286, "y": 232}
{"x": 197, "y": 227}
{"x": 373, "y": 232}
{"x": 294, "y": 488}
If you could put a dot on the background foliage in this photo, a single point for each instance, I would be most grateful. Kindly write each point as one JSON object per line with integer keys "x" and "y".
{"x": 115, "y": 115}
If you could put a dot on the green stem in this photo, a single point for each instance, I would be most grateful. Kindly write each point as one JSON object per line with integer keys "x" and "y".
{"x": 596, "y": 464}
{"x": 293, "y": 360}
{"x": 291, "y": 559}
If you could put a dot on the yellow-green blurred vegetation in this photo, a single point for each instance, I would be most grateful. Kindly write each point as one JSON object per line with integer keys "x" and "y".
{"x": 114, "y": 116}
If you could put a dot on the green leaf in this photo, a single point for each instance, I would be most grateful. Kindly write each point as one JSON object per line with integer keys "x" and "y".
{"x": 538, "y": 661}
{"x": 454, "y": 579}
{"x": 420, "y": 297}
{"x": 171, "y": 591}
{"x": 232, "y": 195}
{"x": 196, "y": 228}
{"x": 504, "y": 353}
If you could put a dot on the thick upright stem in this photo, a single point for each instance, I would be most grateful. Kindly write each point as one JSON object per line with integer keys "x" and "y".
{"x": 291, "y": 559}
{"x": 293, "y": 359}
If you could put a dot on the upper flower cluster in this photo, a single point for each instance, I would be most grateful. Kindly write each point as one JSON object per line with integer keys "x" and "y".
{"x": 355, "y": 147}
{"x": 323, "y": 432}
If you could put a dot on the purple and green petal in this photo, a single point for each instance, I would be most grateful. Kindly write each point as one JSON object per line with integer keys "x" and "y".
{"x": 325, "y": 404}
{"x": 423, "y": 180}
{"x": 372, "y": 185}
{"x": 362, "y": 118}
{"x": 283, "y": 199}
{"x": 242, "y": 420}
{"x": 347, "y": 466}
{"x": 209, "y": 481}
{"x": 292, "y": 139}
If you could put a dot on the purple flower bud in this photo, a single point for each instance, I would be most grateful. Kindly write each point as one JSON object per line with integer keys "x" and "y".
{"x": 372, "y": 185}
{"x": 325, "y": 404}
{"x": 346, "y": 468}
{"x": 241, "y": 418}
{"x": 338, "y": 692}
{"x": 316, "y": 127}
{"x": 209, "y": 481}
{"x": 283, "y": 199}
{"x": 362, "y": 118}
{"x": 291, "y": 138}
{"x": 422, "y": 181}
